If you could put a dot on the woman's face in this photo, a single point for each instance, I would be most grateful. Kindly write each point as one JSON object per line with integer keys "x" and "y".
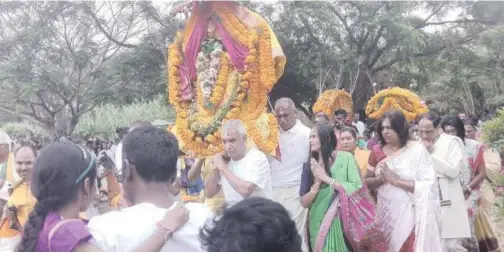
{"x": 314, "y": 141}
{"x": 24, "y": 163}
{"x": 388, "y": 132}
{"x": 450, "y": 130}
{"x": 470, "y": 132}
{"x": 348, "y": 142}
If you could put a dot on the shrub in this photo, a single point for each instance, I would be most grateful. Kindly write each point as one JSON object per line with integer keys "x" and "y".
{"x": 104, "y": 120}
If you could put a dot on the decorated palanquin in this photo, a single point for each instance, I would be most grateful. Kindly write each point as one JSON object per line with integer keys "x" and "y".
{"x": 333, "y": 100}
{"x": 396, "y": 98}
{"x": 222, "y": 66}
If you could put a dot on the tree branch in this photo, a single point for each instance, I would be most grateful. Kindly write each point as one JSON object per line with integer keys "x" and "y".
{"x": 344, "y": 22}
{"x": 425, "y": 53}
{"x": 460, "y": 21}
{"x": 88, "y": 11}
{"x": 310, "y": 32}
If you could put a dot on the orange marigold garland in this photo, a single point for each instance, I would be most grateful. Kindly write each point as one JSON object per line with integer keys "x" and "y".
{"x": 396, "y": 98}
{"x": 235, "y": 94}
{"x": 332, "y": 100}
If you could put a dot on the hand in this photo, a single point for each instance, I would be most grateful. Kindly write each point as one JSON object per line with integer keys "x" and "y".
{"x": 191, "y": 154}
{"x": 390, "y": 176}
{"x": 9, "y": 214}
{"x": 428, "y": 145}
{"x": 318, "y": 170}
{"x": 175, "y": 218}
{"x": 219, "y": 161}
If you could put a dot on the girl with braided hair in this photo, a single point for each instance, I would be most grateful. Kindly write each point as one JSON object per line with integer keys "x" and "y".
{"x": 64, "y": 184}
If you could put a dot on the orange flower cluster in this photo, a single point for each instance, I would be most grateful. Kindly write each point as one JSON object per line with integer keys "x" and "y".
{"x": 332, "y": 100}
{"x": 396, "y": 98}
{"x": 236, "y": 95}
{"x": 174, "y": 61}
{"x": 266, "y": 63}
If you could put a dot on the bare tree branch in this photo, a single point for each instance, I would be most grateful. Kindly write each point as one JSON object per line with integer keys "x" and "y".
{"x": 100, "y": 27}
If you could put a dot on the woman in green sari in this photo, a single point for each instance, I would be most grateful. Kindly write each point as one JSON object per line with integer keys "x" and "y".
{"x": 325, "y": 173}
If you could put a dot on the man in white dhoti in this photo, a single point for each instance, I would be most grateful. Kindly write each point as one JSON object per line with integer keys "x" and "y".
{"x": 448, "y": 158}
{"x": 286, "y": 172}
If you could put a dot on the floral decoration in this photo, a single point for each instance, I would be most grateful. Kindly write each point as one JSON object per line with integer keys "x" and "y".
{"x": 396, "y": 98}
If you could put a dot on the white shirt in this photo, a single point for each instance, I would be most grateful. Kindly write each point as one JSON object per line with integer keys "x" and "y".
{"x": 294, "y": 149}
{"x": 253, "y": 168}
{"x": 127, "y": 229}
{"x": 118, "y": 158}
{"x": 360, "y": 127}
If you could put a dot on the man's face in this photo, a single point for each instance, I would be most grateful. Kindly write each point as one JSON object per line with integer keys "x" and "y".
{"x": 340, "y": 119}
{"x": 235, "y": 145}
{"x": 462, "y": 116}
{"x": 356, "y": 117}
{"x": 426, "y": 130}
{"x": 285, "y": 116}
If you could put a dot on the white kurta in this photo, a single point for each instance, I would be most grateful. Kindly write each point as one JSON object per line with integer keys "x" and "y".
{"x": 449, "y": 160}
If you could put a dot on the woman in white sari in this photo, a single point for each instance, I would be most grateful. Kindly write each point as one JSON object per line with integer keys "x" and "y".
{"x": 401, "y": 172}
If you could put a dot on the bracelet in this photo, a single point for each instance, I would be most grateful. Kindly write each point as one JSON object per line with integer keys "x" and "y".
{"x": 333, "y": 181}
{"x": 169, "y": 231}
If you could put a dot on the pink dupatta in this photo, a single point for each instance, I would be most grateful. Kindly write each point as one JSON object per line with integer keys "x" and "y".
{"x": 357, "y": 215}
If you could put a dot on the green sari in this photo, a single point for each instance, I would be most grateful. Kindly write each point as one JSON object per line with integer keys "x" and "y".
{"x": 346, "y": 171}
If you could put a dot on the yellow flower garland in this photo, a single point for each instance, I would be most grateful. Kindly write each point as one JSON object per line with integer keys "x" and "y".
{"x": 332, "y": 100}
{"x": 249, "y": 88}
{"x": 396, "y": 98}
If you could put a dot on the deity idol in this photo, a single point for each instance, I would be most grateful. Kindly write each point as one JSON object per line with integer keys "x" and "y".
{"x": 222, "y": 66}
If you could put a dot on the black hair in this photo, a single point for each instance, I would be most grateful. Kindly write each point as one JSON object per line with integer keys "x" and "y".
{"x": 432, "y": 116}
{"x": 321, "y": 115}
{"x": 456, "y": 123}
{"x": 58, "y": 174}
{"x": 154, "y": 153}
{"x": 352, "y": 130}
{"x": 252, "y": 225}
{"x": 341, "y": 112}
{"x": 471, "y": 121}
{"x": 398, "y": 123}
{"x": 328, "y": 143}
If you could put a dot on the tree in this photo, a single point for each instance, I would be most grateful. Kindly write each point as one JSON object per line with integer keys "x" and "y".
{"x": 54, "y": 58}
{"x": 351, "y": 44}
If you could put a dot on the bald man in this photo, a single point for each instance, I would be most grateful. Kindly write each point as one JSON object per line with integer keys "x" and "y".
{"x": 286, "y": 172}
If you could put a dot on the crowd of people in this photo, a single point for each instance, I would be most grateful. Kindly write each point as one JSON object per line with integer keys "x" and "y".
{"x": 337, "y": 186}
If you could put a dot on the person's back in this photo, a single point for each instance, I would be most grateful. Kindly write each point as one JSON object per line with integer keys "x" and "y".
{"x": 150, "y": 159}
{"x": 126, "y": 229}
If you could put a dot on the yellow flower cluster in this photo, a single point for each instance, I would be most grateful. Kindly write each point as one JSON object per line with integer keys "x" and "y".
{"x": 396, "y": 98}
{"x": 332, "y": 100}
{"x": 236, "y": 94}
{"x": 264, "y": 132}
